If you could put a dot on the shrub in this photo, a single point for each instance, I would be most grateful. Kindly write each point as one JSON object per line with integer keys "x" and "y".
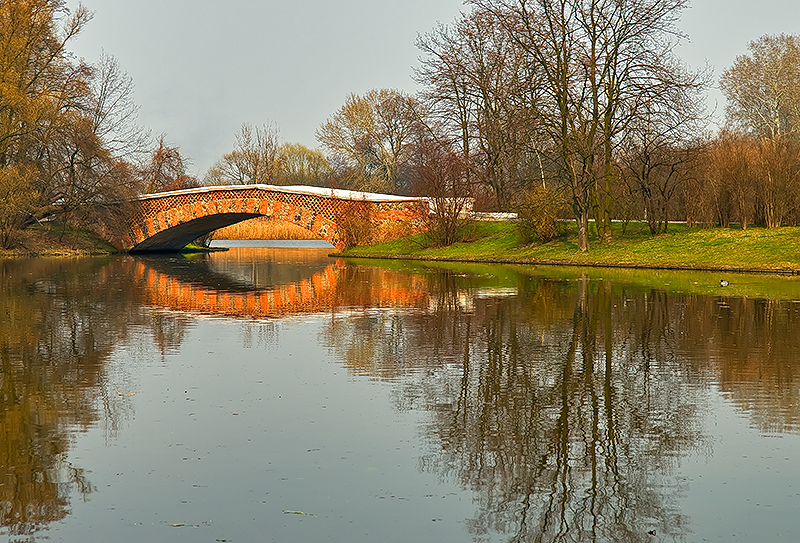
{"x": 537, "y": 215}
{"x": 18, "y": 200}
{"x": 354, "y": 223}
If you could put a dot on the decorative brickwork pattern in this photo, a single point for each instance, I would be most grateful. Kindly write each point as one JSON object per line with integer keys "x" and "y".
{"x": 317, "y": 213}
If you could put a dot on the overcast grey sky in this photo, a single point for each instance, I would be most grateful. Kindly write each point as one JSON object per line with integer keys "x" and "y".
{"x": 203, "y": 67}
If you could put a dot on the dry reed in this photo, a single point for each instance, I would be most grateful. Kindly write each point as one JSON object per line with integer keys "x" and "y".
{"x": 263, "y": 228}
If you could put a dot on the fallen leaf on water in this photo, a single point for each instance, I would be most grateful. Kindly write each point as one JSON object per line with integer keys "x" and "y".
{"x": 287, "y": 512}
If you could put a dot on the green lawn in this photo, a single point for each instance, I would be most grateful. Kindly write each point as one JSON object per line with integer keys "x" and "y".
{"x": 776, "y": 249}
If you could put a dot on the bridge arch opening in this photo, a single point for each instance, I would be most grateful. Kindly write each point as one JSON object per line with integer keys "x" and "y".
{"x": 172, "y": 229}
{"x": 182, "y": 234}
{"x": 169, "y": 221}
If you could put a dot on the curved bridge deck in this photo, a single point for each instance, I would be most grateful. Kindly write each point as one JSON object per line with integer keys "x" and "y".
{"x": 168, "y": 221}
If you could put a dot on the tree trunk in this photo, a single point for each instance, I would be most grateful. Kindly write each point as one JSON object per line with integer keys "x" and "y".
{"x": 603, "y": 218}
{"x": 582, "y": 220}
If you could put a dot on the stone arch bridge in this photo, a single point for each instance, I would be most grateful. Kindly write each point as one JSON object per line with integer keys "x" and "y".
{"x": 168, "y": 221}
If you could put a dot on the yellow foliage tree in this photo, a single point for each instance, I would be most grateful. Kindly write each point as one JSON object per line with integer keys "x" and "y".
{"x": 65, "y": 126}
{"x": 17, "y": 200}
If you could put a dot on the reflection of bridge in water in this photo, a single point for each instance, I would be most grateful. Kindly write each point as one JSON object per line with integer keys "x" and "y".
{"x": 196, "y": 289}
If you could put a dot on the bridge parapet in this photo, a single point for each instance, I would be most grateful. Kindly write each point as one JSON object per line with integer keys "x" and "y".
{"x": 168, "y": 221}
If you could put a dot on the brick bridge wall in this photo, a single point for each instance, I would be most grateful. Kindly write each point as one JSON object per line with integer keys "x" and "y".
{"x": 168, "y": 221}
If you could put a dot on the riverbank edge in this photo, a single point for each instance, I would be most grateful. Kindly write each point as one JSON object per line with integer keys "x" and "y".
{"x": 66, "y": 252}
{"x": 52, "y": 253}
{"x": 571, "y": 264}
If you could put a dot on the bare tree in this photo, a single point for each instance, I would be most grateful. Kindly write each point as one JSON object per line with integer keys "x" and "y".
{"x": 114, "y": 112}
{"x": 479, "y": 87}
{"x": 166, "y": 170}
{"x": 372, "y": 134}
{"x": 761, "y": 88}
{"x": 254, "y": 160}
{"x": 663, "y": 144}
{"x": 438, "y": 172}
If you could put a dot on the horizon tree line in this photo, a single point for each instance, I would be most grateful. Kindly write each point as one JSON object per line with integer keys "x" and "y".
{"x": 551, "y": 108}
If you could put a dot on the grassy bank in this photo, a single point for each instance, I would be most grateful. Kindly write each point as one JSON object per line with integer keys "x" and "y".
{"x": 55, "y": 240}
{"x": 751, "y": 250}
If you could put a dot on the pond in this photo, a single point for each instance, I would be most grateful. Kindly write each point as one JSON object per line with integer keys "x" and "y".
{"x": 277, "y": 394}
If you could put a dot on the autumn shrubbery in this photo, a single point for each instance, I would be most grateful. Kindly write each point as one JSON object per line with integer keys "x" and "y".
{"x": 354, "y": 222}
{"x": 537, "y": 215}
{"x": 264, "y": 228}
{"x": 17, "y": 201}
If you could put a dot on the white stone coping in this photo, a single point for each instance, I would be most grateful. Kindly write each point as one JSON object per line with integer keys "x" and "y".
{"x": 493, "y": 216}
{"x": 339, "y": 194}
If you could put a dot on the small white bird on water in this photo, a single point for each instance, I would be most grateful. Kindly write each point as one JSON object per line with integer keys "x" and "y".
{"x": 724, "y": 283}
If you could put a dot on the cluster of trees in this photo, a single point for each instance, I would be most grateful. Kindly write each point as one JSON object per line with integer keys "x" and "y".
{"x": 579, "y": 97}
{"x": 70, "y": 148}
{"x": 748, "y": 172}
{"x": 538, "y": 106}
{"x": 259, "y": 157}
{"x": 547, "y": 107}
{"x": 754, "y": 165}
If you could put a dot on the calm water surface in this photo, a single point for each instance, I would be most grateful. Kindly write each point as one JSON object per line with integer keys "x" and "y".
{"x": 276, "y": 394}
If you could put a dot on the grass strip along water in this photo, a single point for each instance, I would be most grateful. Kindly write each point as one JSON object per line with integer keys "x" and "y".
{"x": 755, "y": 250}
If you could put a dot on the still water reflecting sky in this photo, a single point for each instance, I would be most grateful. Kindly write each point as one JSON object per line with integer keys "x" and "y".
{"x": 281, "y": 395}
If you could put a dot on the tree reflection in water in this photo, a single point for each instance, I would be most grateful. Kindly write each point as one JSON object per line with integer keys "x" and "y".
{"x": 61, "y": 321}
{"x": 564, "y": 404}
{"x": 567, "y": 406}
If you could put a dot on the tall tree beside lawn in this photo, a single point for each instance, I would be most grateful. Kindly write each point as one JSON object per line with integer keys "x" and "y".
{"x": 600, "y": 60}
